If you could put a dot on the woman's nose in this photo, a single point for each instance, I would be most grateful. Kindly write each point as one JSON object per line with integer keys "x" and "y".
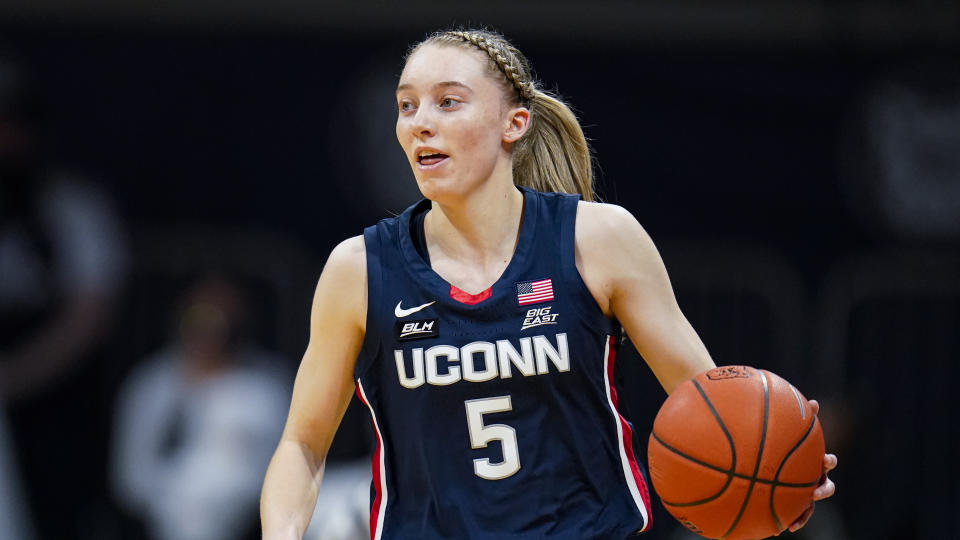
{"x": 422, "y": 123}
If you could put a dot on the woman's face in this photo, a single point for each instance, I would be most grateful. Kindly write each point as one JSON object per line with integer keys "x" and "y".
{"x": 453, "y": 121}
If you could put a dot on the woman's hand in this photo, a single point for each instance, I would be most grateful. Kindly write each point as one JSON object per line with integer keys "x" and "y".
{"x": 826, "y": 487}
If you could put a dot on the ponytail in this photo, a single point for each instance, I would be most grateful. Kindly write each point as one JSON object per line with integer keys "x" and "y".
{"x": 553, "y": 155}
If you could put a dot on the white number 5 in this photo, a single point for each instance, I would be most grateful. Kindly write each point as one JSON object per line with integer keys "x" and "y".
{"x": 480, "y": 435}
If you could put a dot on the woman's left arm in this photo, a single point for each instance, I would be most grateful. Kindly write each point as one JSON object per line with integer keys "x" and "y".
{"x": 625, "y": 274}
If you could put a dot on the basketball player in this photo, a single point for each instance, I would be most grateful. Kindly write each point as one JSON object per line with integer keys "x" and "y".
{"x": 479, "y": 325}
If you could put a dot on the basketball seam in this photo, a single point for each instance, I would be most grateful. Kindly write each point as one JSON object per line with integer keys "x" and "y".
{"x": 780, "y": 469}
{"x": 756, "y": 466}
{"x": 731, "y": 472}
{"x": 727, "y": 471}
{"x": 697, "y": 461}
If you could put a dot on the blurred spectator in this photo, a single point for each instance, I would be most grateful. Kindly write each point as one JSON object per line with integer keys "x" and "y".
{"x": 197, "y": 422}
{"x": 900, "y": 152}
{"x": 61, "y": 262}
{"x": 13, "y": 516}
{"x": 343, "y": 503}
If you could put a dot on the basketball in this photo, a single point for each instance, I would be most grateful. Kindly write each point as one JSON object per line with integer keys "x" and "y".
{"x": 736, "y": 453}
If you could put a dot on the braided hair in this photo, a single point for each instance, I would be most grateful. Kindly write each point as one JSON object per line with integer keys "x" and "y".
{"x": 553, "y": 155}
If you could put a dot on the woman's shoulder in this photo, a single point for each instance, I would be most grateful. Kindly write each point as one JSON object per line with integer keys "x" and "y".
{"x": 349, "y": 254}
{"x": 341, "y": 292}
{"x": 605, "y": 223}
{"x": 614, "y": 252}
{"x": 607, "y": 235}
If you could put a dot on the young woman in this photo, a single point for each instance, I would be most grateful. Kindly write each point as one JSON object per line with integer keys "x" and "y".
{"x": 479, "y": 325}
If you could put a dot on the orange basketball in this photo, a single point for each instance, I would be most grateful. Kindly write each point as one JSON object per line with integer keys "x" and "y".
{"x": 736, "y": 453}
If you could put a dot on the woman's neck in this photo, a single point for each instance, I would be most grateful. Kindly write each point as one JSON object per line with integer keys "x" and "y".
{"x": 480, "y": 231}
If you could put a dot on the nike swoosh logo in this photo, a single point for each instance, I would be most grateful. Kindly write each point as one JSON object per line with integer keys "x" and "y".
{"x": 400, "y": 312}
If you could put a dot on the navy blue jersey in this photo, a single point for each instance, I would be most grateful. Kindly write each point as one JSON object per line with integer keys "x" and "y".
{"x": 495, "y": 413}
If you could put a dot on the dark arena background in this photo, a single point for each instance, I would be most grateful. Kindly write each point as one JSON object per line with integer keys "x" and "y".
{"x": 174, "y": 176}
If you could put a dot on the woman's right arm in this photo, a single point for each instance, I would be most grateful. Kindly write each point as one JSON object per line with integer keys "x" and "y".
{"x": 321, "y": 393}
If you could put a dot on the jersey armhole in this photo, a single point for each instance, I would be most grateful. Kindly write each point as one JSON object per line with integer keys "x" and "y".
{"x": 587, "y": 307}
{"x": 371, "y": 337}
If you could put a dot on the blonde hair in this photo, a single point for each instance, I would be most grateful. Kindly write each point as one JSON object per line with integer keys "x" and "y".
{"x": 553, "y": 155}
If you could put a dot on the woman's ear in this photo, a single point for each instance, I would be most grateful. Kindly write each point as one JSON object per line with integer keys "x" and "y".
{"x": 518, "y": 122}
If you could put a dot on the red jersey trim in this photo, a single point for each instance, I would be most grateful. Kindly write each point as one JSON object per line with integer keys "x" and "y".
{"x": 631, "y": 470}
{"x": 470, "y": 299}
{"x": 379, "y": 505}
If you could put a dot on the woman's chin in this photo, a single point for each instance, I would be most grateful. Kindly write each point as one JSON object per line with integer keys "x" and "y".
{"x": 439, "y": 189}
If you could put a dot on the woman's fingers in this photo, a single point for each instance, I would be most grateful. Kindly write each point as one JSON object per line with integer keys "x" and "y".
{"x": 802, "y": 520}
{"x": 824, "y": 490}
{"x": 826, "y": 487}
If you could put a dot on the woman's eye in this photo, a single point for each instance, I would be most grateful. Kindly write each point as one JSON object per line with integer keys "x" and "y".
{"x": 448, "y": 102}
{"x": 405, "y": 106}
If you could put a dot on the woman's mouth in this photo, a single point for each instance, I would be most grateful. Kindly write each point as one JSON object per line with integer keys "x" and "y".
{"x": 430, "y": 160}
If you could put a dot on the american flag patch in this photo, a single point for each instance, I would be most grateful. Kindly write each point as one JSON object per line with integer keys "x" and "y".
{"x": 531, "y": 292}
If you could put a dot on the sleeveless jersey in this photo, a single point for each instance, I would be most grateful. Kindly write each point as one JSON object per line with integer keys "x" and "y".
{"x": 495, "y": 414}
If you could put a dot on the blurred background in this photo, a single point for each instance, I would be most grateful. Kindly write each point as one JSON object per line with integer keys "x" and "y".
{"x": 173, "y": 176}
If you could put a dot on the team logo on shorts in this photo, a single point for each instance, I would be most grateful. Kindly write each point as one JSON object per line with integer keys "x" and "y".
{"x": 539, "y": 317}
{"x": 421, "y": 329}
